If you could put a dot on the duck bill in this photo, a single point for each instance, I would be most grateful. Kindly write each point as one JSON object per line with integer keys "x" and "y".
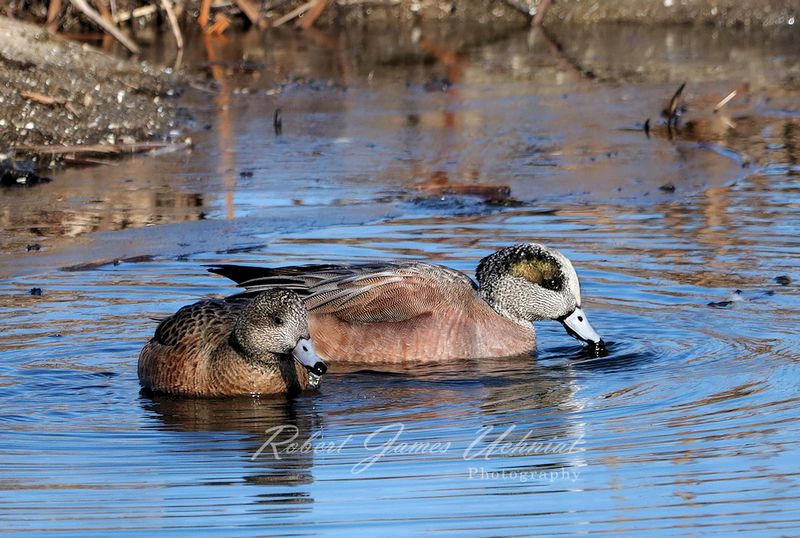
{"x": 304, "y": 353}
{"x": 578, "y": 326}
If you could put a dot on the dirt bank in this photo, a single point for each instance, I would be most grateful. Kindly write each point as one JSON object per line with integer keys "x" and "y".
{"x": 716, "y": 12}
{"x": 56, "y": 92}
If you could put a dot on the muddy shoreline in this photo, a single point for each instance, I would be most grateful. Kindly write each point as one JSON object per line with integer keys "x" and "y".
{"x": 54, "y": 92}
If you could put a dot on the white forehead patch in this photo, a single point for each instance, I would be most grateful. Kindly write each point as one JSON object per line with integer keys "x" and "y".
{"x": 573, "y": 286}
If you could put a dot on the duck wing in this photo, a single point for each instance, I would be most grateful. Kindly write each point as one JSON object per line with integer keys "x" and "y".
{"x": 364, "y": 293}
{"x": 208, "y": 320}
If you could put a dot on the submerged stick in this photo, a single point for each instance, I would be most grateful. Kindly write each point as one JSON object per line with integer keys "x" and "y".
{"x": 95, "y": 17}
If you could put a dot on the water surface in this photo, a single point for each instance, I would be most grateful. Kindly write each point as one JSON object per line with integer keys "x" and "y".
{"x": 690, "y": 421}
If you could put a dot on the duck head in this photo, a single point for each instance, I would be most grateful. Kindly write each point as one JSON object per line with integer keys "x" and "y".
{"x": 530, "y": 282}
{"x": 276, "y": 322}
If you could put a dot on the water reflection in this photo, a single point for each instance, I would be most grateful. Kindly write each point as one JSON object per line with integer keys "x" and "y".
{"x": 276, "y": 420}
{"x": 364, "y": 413}
{"x": 356, "y": 115}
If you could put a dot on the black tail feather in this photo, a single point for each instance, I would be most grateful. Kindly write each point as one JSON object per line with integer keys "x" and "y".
{"x": 240, "y": 273}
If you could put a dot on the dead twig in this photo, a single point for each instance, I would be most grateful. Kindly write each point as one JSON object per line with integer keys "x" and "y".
{"x": 143, "y": 11}
{"x": 88, "y": 161}
{"x": 541, "y": 7}
{"x": 95, "y": 17}
{"x": 52, "y": 15}
{"x": 293, "y": 14}
{"x": 103, "y": 149}
{"x": 205, "y": 10}
{"x": 220, "y": 25}
{"x": 173, "y": 23}
{"x": 71, "y": 109}
{"x": 103, "y": 10}
{"x": 724, "y": 101}
{"x": 40, "y": 98}
{"x": 48, "y": 100}
{"x": 671, "y": 111}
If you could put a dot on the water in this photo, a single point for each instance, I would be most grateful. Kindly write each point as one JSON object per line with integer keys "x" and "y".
{"x": 689, "y": 423}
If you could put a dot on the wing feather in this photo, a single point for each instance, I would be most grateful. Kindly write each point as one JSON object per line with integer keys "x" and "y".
{"x": 366, "y": 293}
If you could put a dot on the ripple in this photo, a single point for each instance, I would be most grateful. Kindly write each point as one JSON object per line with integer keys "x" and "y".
{"x": 688, "y": 421}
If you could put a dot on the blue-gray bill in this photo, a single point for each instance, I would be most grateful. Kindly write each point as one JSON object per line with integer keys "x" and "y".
{"x": 304, "y": 353}
{"x": 578, "y": 326}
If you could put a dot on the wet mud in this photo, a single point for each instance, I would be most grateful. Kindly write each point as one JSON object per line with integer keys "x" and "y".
{"x": 54, "y": 92}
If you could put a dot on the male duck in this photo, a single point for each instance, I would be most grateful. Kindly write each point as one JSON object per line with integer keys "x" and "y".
{"x": 233, "y": 347}
{"x": 417, "y": 311}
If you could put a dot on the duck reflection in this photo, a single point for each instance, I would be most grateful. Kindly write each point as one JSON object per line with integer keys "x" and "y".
{"x": 279, "y": 420}
{"x": 475, "y": 412}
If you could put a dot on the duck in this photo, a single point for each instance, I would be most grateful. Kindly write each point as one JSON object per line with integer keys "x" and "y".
{"x": 415, "y": 311}
{"x": 233, "y": 347}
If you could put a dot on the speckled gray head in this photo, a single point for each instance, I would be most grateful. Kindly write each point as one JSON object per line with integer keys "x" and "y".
{"x": 531, "y": 282}
{"x": 277, "y": 321}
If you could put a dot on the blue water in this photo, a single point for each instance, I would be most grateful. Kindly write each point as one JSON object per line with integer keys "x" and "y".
{"x": 689, "y": 424}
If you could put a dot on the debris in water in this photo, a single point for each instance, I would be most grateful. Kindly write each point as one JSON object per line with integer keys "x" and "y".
{"x": 19, "y": 174}
{"x": 672, "y": 112}
{"x": 724, "y": 101}
{"x": 667, "y": 187}
{"x": 105, "y": 149}
{"x": 35, "y": 247}
{"x": 36, "y": 291}
{"x": 739, "y": 295}
{"x": 720, "y": 304}
{"x": 783, "y": 280}
{"x": 277, "y": 122}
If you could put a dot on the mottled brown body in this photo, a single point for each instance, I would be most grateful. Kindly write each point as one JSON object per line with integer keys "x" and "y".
{"x": 192, "y": 353}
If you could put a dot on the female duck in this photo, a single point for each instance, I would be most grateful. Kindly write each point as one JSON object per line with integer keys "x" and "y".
{"x": 233, "y": 347}
{"x": 416, "y": 311}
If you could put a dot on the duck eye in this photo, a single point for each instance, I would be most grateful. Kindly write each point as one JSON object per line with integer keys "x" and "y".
{"x": 550, "y": 284}
{"x": 277, "y": 320}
